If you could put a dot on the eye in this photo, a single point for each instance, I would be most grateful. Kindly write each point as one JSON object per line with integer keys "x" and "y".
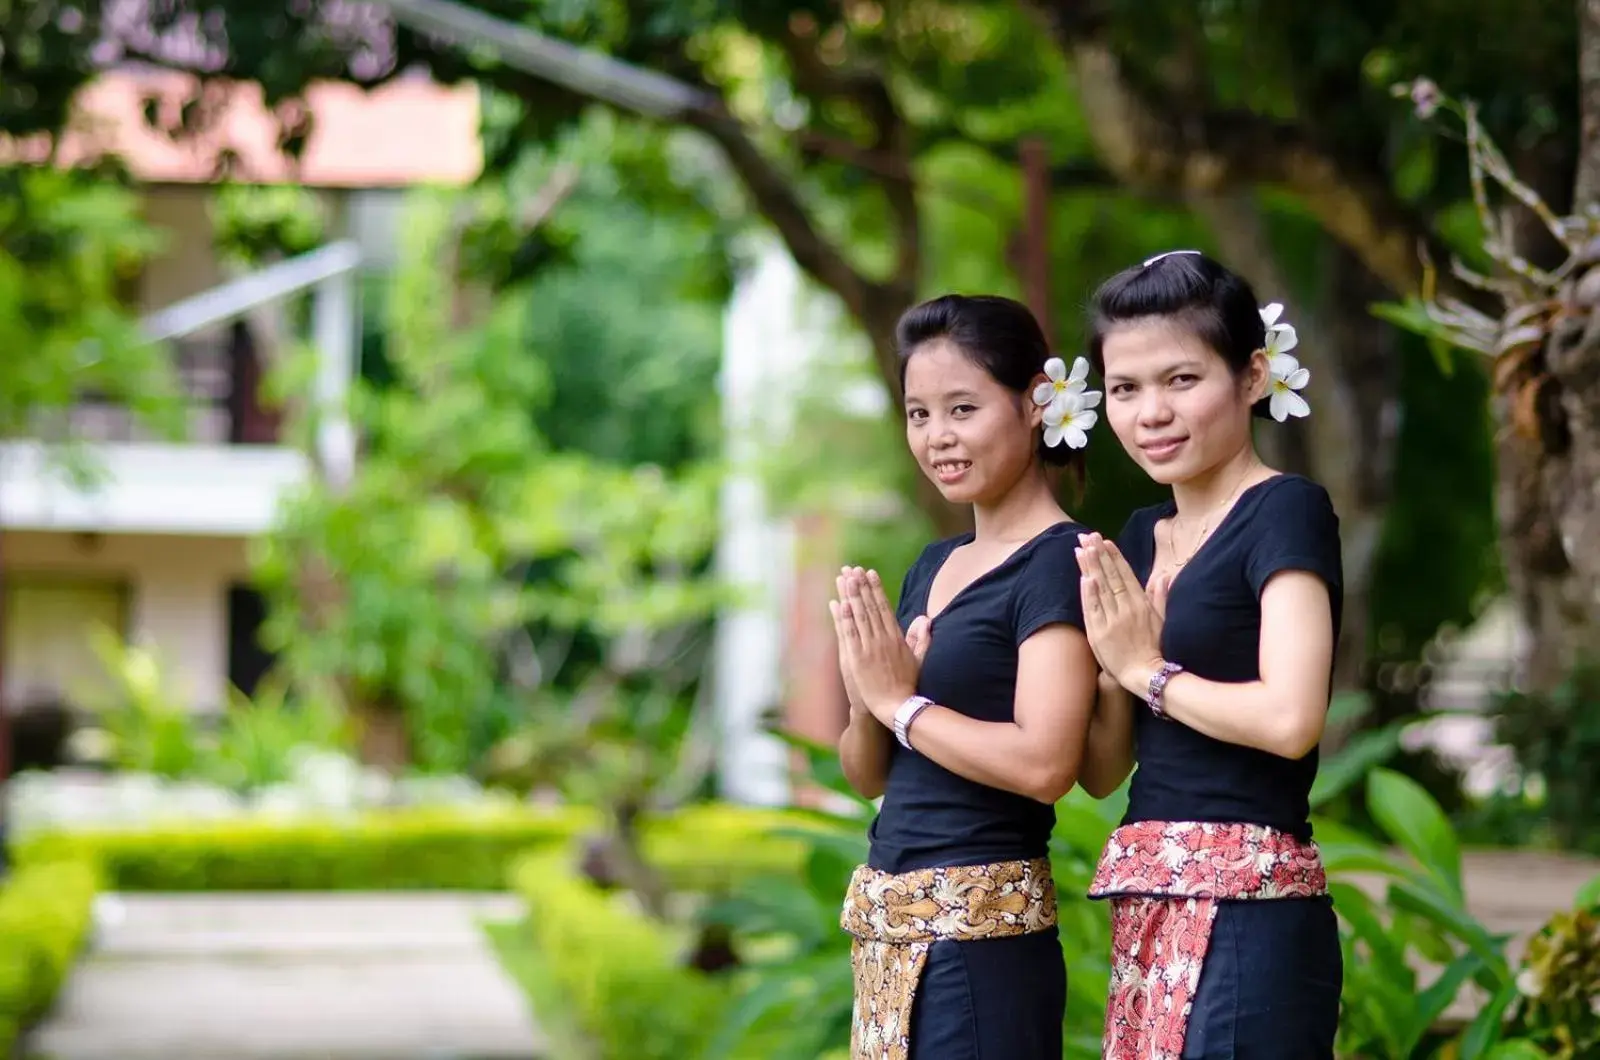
{"x": 1183, "y": 380}
{"x": 916, "y": 415}
{"x": 964, "y": 410}
{"x": 1122, "y": 390}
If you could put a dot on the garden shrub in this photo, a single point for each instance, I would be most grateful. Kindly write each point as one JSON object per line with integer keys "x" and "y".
{"x": 700, "y": 848}
{"x": 434, "y": 849}
{"x": 45, "y": 914}
{"x": 623, "y": 974}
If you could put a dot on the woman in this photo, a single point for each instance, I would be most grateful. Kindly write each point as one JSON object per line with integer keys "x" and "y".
{"x": 974, "y": 729}
{"x": 1214, "y": 618}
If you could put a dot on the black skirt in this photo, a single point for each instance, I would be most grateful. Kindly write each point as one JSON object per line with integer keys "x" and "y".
{"x": 991, "y": 999}
{"x": 1269, "y": 987}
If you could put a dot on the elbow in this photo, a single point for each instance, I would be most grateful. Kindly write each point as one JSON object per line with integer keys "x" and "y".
{"x": 1298, "y": 736}
{"x": 1050, "y": 785}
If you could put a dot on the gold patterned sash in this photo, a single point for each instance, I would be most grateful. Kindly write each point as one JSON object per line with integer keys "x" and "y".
{"x": 896, "y": 919}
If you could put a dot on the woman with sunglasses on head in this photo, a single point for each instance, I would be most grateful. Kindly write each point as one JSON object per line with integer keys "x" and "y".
{"x": 974, "y": 730}
{"x": 1214, "y": 618}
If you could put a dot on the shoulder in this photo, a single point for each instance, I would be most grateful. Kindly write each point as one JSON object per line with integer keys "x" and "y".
{"x": 1288, "y": 491}
{"x": 1056, "y": 546}
{"x": 936, "y": 552}
{"x": 1137, "y": 527}
{"x": 1292, "y": 525}
{"x": 1046, "y": 583}
{"x": 930, "y": 559}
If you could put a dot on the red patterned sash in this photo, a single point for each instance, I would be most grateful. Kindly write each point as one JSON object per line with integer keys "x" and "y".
{"x": 1164, "y": 879}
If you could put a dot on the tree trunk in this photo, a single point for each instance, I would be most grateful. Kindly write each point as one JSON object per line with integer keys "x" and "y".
{"x": 1549, "y": 497}
{"x": 1549, "y": 473}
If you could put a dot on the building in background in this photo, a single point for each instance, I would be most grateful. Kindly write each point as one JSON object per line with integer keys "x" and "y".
{"x": 158, "y": 549}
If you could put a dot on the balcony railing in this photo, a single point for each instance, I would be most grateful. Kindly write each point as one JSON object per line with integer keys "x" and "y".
{"x": 220, "y": 362}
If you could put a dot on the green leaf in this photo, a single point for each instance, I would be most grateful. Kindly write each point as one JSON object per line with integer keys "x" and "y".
{"x": 1479, "y": 1042}
{"x": 1520, "y": 1049}
{"x": 1432, "y": 1002}
{"x": 1364, "y": 752}
{"x": 1410, "y": 816}
{"x": 1589, "y": 895}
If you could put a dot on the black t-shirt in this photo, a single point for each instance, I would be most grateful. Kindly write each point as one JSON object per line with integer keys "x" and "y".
{"x": 930, "y": 816}
{"x": 1213, "y": 630}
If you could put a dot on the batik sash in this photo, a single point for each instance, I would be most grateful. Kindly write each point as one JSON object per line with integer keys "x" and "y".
{"x": 896, "y": 918}
{"x": 1164, "y": 880}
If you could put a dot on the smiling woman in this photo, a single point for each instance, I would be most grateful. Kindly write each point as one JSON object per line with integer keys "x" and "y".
{"x": 968, "y": 707}
{"x": 1218, "y": 611}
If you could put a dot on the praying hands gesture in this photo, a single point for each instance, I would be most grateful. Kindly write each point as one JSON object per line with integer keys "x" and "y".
{"x": 1122, "y": 618}
{"x": 880, "y": 665}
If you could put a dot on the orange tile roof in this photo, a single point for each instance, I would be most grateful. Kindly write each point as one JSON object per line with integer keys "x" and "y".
{"x": 409, "y": 131}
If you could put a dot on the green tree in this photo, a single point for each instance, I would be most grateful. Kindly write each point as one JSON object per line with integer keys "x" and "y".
{"x": 472, "y": 581}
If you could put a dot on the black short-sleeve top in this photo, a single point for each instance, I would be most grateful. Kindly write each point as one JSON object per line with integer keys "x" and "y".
{"x": 1213, "y": 630}
{"x": 931, "y": 817}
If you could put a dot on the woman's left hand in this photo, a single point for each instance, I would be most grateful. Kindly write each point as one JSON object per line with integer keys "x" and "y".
{"x": 1122, "y": 623}
{"x": 873, "y": 648}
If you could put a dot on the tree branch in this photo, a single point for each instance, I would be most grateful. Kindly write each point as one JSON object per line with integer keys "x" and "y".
{"x": 649, "y": 94}
{"x": 1160, "y": 140}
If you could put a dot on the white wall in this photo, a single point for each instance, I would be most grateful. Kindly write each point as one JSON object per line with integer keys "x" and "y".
{"x": 176, "y": 603}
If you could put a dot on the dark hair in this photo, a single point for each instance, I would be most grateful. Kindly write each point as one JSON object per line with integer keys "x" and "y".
{"x": 996, "y": 334}
{"x": 1211, "y": 301}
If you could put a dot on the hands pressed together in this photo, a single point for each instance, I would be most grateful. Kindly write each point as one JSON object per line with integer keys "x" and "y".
{"x": 1122, "y": 618}
{"x": 880, "y": 665}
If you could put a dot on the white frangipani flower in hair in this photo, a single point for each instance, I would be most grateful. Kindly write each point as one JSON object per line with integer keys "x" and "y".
{"x": 1281, "y": 338}
{"x": 1060, "y": 382}
{"x": 1069, "y": 418}
{"x": 1287, "y": 378}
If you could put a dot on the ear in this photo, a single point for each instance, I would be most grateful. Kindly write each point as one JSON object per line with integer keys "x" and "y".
{"x": 1034, "y": 410}
{"x": 1258, "y": 378}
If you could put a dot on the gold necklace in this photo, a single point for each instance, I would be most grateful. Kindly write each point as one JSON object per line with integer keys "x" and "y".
{"x": 1205, "y": 524}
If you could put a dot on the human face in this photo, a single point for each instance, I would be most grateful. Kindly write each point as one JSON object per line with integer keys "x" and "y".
{"x": 1173, "y": 402}
{"x": 971, "y": 436}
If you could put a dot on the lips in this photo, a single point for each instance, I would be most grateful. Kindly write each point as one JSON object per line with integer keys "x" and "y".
{"x": 1161, "y": 449}
{"x": 951, "y": 470}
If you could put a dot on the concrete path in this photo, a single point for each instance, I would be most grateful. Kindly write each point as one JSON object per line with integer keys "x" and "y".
{"x": 291, "y": 977}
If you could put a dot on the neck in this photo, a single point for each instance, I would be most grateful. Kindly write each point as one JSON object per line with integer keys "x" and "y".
{"x": 1202, "y": 494}
{"x": 1025, "y": 510}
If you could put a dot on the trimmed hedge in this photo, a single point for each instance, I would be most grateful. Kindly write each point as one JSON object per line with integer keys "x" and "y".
{"x": 701, "y": 848}
{"x": 401, "y": 849}
{"x": 45, "y": 914}
{"x": 621, "y": 972}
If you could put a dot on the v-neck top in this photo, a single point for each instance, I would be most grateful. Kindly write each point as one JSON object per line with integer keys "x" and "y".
{"x": 931, "y": 817}
{"x": 1213, "y": 630}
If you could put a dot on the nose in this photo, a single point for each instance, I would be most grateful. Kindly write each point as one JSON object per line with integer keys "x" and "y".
{"x": 1154, "y": 409}
{"x": 940, "y": 434}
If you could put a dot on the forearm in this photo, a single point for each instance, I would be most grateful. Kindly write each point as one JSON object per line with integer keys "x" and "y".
{"x": 1108, "y": 747}
{"x": 1247, "y": 713}
{"x": 864, "y": 754}
{"x": 1002, "y": 755}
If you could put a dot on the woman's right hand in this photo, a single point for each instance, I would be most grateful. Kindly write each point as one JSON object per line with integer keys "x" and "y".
{"x": 918, "y": 637}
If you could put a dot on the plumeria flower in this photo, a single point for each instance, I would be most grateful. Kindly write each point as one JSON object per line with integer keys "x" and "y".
{"x": 1287, "y": 378}
{"x": 1060, "y": 383}
{"x": 1281, "y": 338}
{"x": 1069, "y": 418}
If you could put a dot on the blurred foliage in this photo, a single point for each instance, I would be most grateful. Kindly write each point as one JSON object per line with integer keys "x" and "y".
{"x": 141, "y": 724}
{"x": 46, "y": 916}
{"x": 1553, "y": 796}
{"x": 70, "y": 243}
{"x": 1559, "y": 985}
{"x": 255, "y": 224}
{"x": 486, "y": 585}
